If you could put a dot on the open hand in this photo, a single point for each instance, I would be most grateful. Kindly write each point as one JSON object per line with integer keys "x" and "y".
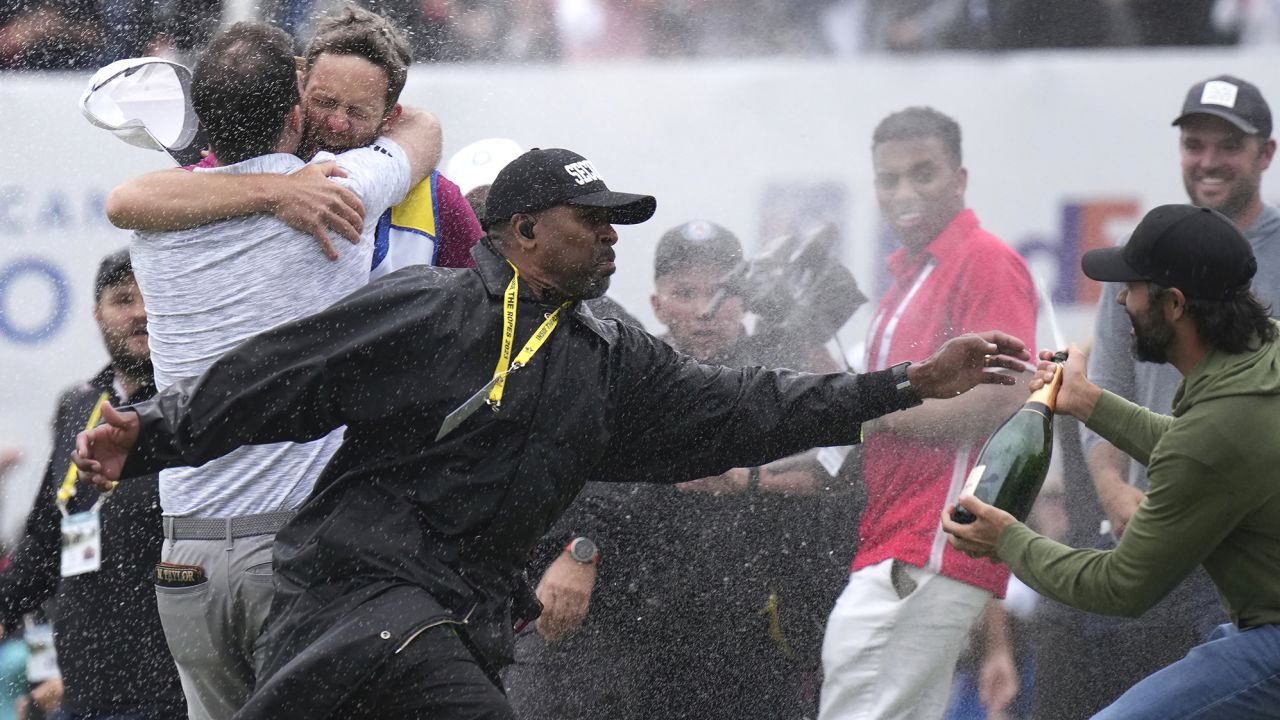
{"x": 308, "y": 201}
{"x": 100, "y": 452}
{"x": 968, "y": 360}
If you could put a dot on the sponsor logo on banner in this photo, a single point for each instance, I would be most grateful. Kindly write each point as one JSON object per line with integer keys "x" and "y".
{"x": 35, "y": 300}
{"x": 1084, "y": 226}
{"x": 26, "y": 210}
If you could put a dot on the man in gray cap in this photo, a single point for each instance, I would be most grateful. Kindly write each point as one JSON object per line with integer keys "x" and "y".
{"x": 1225, "y": 146}
{"x": 398, "y": 581}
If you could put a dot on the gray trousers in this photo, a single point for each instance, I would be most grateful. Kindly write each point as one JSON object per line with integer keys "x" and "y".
{"x": 212, "y": 628}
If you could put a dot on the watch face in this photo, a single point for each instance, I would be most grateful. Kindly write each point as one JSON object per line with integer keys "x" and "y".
{"x": 583, "y": 550}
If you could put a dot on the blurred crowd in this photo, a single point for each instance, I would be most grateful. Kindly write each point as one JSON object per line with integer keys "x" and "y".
{"x": 79, "y": 34}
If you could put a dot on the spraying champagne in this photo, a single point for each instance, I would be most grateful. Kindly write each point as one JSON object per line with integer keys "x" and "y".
{"x": 1015, "y": 459}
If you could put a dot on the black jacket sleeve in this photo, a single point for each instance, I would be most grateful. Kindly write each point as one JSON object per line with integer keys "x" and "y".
{"x": 598, "y": 511}
{"x": 294, "y": 383}
{"x": 679, "y": 419}
{"x": 33, "y": 576}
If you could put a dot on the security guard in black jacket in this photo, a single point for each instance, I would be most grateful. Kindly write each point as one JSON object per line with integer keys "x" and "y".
{"x": 397, "y": 583}
{"x": 93, "y": 553}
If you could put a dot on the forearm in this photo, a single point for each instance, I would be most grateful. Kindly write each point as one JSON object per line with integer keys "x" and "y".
{"x": 800, "y": 474}
{"x": 1095, "y": 581}
{"x": 1131, "y": 428}
{"x": 995, "y": 629}
{"x": 418, "y": 132}
{"x": 177, "y": 199}
{"x": 711, "y": 418}
{"x": 779, "y": 413}
{"x": 24, "y": 586}
{"x": 201, "y": 419}
{"x": 1108, "y": 468}
{"x": 971, "y": 416}
{"x": 296, "y": 382}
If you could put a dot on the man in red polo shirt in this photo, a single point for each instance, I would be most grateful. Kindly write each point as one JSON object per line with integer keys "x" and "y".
{"x": 894, "y": 635}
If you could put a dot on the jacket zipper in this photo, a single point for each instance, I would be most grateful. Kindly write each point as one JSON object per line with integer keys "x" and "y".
{"x": 432, "y": 624}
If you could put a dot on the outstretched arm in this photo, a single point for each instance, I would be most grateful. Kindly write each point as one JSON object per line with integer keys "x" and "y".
{"x": 350, "y": 363}
{"x": 972, "y": 416}
{"x": 708, "y": 419}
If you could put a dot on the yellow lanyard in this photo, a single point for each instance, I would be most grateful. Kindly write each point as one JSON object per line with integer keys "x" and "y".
{"x": 68, "y": 489}
{"x": 510, "y": 299}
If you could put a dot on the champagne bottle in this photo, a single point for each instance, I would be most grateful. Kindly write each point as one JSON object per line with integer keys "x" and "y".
{"x": 1015, "y": 459}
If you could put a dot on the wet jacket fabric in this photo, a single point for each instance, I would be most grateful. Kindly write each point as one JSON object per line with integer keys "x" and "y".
{"x": 111, "y": 648}
{"x": 450, "y": 524}
{"x": 1213, "y": 499}
{"x": 742, "y": 582}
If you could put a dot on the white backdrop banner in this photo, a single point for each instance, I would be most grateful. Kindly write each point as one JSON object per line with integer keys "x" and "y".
{"x": 1063, "y": 152}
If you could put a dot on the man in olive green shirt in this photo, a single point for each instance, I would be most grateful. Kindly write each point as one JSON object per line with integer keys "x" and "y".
{"x": 1213, "y": 469}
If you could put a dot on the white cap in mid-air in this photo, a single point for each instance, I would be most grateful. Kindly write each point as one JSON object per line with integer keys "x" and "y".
{"x": 146, "y": 102}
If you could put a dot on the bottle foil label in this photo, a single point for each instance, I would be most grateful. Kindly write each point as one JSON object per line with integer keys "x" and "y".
{"x": 975, "y": 476}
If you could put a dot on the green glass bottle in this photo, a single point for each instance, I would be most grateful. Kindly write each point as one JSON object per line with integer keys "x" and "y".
{"x": 1015, "y": 459}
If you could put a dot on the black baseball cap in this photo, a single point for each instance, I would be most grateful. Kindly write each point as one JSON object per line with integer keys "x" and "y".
{"x": 113, "y": 270}
{"x": 1237, "y": 101}
{"x": 699, "y": 243}
{"x": 1195, "y": 249}
{"x": 540, "y": 179}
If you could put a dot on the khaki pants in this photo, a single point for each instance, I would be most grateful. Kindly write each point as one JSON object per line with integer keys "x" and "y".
{"x": 212, "y": 627}
{"x": 891, "y": 645}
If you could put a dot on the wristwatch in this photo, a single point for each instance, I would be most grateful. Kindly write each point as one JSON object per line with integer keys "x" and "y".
{"x": 902, "y": 384}
{"x": 584, "y": 550}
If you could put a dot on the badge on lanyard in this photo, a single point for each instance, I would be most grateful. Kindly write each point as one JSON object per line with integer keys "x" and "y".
{"x": 81, "y": 543}
{"x": 82, "y": 531}
{"x": 42, "y": 658}
{"x": 491, "y": 393}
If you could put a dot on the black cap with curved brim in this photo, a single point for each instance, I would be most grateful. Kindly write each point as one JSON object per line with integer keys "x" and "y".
{"x": 1197, "y": 250}
{"x": 112, "y": 270}
{"x": 540, "y": 179}
{"x": 1237, "y": 101}
{"x": 699, "y": 244}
